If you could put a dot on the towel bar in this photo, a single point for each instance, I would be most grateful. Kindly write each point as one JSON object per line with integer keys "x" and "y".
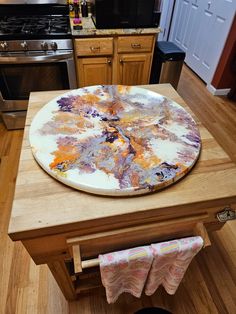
{"x": 200, "y": 230}
{"x": 79, "y": 265}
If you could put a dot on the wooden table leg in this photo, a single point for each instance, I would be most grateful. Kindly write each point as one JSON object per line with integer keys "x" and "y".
{"x": 60, "y": 273}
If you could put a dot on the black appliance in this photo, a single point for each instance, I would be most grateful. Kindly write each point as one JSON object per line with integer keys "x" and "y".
{"x": 36, "y": 54}
{"x": 126, "y": 13}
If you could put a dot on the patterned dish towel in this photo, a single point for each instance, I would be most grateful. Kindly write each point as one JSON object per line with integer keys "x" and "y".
{"x": 171, "y": 260}
{"x": 125, "y": 271}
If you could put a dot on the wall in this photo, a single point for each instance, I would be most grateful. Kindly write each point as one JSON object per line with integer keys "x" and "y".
{"x": 224, "y": 76}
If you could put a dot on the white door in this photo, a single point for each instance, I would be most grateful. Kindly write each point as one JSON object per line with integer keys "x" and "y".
{"x": 200, "y": 28}
{"x": 166, "y": 8}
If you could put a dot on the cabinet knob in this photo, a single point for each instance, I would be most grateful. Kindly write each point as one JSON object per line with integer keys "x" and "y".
{"x": 95, "y": 48}
{"x": 135, "y": 46}
{"x": 109, "y": 61}
{"x": 121, "y": 61}
{"x": 4, "y": 45}
{"x": 24, "y": 45}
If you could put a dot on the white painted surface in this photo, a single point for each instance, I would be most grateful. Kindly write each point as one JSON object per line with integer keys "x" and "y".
{"x": 167, "y": 7}
{"x": 200, "y": 28}
{"x": 217, "y": 92}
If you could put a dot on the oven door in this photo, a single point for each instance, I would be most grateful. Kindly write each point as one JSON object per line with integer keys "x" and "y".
{"x": 21, "y": 74}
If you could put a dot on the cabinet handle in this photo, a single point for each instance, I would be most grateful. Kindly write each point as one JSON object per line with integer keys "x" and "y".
{"x": 121, "y": 61}
{"x": 95, "y": 48}
{"x": 109, "y": 61}
{"x": 135, "y": 46}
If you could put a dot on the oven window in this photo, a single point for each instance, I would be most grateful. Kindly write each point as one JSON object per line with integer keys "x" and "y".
{"x": 17, "y": 81}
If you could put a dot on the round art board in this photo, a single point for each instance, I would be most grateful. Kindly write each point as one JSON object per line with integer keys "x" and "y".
{"x": 115, "y": 140}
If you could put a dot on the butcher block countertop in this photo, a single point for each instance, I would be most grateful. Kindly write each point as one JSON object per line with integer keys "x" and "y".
{"x": 43, "y": 206}
{"x": 89, "y": 30}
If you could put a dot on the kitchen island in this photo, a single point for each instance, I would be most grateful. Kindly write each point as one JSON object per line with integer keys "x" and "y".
{"x": 59, "y": 225}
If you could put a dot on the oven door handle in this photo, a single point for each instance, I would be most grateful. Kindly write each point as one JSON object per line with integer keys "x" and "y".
{"x": 35, "y": 59}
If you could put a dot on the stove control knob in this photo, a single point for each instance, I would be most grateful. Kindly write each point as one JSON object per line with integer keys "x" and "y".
{"x": 24, "y": 45}
{"x": 4, "y": 45}
{"x": 44, "y": 45}
{"x": 54, "y": 46}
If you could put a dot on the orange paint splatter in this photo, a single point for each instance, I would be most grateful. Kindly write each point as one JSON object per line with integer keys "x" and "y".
{"x": 64, "y": 155}
{"x": 123, "y": 89}
{"x": 91, "y": 98}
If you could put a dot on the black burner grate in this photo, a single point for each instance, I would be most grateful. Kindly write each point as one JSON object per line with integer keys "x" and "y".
{"x": 34, "y": 25}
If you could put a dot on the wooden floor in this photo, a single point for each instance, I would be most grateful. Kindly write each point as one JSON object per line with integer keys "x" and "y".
{"x": 209, "y": 285}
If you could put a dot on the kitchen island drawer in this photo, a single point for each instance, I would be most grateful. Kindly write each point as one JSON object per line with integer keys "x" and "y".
{"x": 93, "y": 47}
{"x": 135, "y": 43}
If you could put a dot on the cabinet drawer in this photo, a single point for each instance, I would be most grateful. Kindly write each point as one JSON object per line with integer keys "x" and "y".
{"x": 94, "y": 47}
{"x": 135, "y": 44}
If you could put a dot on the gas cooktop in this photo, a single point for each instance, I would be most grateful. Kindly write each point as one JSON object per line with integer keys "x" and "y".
{"x": 34, "y": 25}
{"x": 34, "y": 22}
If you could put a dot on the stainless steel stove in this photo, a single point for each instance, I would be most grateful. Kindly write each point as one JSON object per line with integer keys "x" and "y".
{"x": 36, "y": 54}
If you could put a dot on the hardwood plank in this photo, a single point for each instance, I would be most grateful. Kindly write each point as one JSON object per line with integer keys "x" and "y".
{"x": 23, "y": 286}
{"x": 27, "y": 288}
{"x": 59, "y": 270}
{"x": 217, "y": 113}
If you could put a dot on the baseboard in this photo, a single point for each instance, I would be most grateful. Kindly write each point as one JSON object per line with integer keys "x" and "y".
{"x": 217, "y": 92}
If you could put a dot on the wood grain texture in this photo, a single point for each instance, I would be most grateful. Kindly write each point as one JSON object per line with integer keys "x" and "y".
{"x": 94, "y": 46}
{"x": 40, "y": 211}
{"x": 134, "y": 68}
{"x": 45, "y": 238}
{"x": 209, "y": 285}
{"x": 24, "y": 288}
{"x": 135, "y": 44}
{"x": 94, "y": 71}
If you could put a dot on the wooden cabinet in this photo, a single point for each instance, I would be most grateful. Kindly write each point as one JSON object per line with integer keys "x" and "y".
{"x": 94, "y": 71}
{"x": 122, "y": 60}
{"x": 94, "y": 61}
{"x": 134, "y": 69}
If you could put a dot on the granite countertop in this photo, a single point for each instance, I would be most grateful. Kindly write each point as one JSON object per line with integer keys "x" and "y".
{"x": 90, "y": 30}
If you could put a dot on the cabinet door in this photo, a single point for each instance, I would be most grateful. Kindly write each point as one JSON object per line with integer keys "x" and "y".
{"x": 94, "y": 71}
{"x": 134, "y": 69}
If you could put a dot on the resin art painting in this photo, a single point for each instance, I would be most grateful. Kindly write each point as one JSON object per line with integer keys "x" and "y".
{"x": 115, "y": 140}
